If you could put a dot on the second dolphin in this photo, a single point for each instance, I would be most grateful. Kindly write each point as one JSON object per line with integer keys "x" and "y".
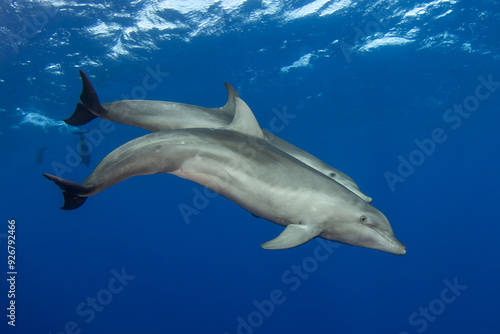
{"x": 163, "y": 115}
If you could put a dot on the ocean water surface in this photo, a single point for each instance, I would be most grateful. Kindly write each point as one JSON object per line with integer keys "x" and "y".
{"x": 403, "y": 96}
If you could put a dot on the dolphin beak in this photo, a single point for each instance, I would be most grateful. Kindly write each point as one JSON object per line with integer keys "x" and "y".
{"x": 392, "y": 245}
{"x": 399, "y": 249}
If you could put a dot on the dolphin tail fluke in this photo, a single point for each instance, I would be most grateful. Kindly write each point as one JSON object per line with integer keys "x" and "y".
{"x": 89, "y": 96}
{"x": 90, "y": 107}
{"x": 72, "y": 192}
{"x": 71, "y": 201}
{"x": 81, "y": 115}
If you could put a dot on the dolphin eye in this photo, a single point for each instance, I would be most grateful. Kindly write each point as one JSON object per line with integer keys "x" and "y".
{"x": 333, "y": 174}
{"x": 362, "y": 218}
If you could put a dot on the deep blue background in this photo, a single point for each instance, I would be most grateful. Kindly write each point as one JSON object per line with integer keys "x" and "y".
{"x": 357, "y": 113}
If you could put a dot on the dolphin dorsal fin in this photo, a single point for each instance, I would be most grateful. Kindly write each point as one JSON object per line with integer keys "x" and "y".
{"x": 231, "y": 95}
{"x": 244, "y": 120}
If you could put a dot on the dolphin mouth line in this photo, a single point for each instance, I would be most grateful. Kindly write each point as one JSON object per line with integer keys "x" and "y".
{"x": 392, "y": 240}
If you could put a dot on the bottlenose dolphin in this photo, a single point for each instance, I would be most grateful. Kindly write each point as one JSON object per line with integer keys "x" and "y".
{"x": 39, "y": 155}
{"x": 163, "y": 115}
{"x": 83, "y": 148}
{"x": 238, "y": 163}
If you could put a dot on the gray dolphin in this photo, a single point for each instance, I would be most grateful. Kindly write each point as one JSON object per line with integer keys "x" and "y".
{"x": 163, "y": 115}
{"x": 238, "y": 163}
{"x": 40, "y": 154}
{"x": 83, "y": 148}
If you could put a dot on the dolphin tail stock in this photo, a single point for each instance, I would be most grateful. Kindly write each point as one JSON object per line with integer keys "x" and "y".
{"x": 90, "y": 107}
{"x": 72, "y": 192}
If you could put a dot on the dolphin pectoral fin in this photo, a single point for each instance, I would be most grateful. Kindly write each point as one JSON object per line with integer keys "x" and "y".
{"x": 81, "y": 115}
{"x": 292, "y": 236}
{"x": 72, "y": 192}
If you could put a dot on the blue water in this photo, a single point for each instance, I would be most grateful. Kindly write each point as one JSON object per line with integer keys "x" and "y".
{"x": 371, "y": 87}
